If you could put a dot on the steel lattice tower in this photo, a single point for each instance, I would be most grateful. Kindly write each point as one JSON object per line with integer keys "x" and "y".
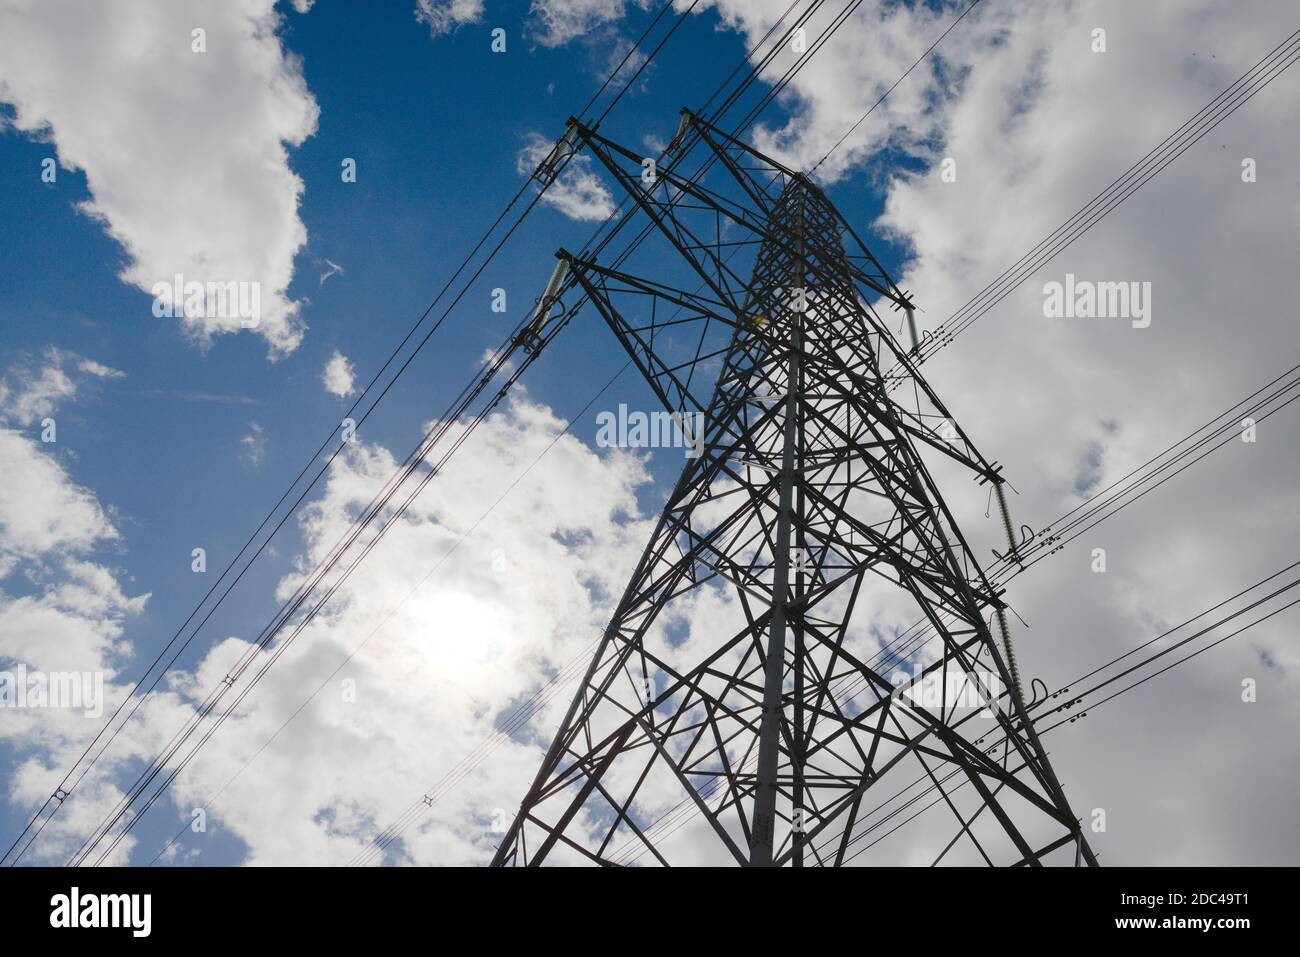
{"x": 738, "y": 706}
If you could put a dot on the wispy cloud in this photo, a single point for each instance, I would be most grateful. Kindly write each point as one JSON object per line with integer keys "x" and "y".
{"x": 254, "y": 445}
{"x": 181, "y": 395}
{"x": 334, "y": 270}
{"x": 28, "y": 392}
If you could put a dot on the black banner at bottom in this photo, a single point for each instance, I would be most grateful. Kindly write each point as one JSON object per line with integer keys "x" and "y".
{"x": 329, "y": 906}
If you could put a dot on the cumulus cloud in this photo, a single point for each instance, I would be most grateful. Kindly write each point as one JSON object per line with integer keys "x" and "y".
{"x": 444, "y": 16}
{"x": 1037, "y": 124}
{"x": 184, "y": 152}
{"x": 534, "y": 582}
{"x": 577, "y": 192}
{"x": 338, "y": 376}
{"x": 42, "y": 512}
{"x": 463, "y": 612}
{"x": 556, "y": 22}
{"x": 61, "y": 608}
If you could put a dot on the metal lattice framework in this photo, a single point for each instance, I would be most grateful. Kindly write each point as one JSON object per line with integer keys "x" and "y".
{"x": 737, "y": 707}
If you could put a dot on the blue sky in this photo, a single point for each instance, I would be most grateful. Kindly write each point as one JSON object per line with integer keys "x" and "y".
{"x": 435, "y": 122}
{"x": 436, "y": 156}
{"x": 434, "y": 125}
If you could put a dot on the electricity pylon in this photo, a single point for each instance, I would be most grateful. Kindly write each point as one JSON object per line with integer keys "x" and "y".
{"x": 739, "y": 706}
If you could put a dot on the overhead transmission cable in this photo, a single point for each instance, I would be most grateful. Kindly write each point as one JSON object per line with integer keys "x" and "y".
{"x": 414, "y": 460}
{"x": 393, "y": 612}
{"x": 674, "y": 819}
{"x": 631, "y": 80}
{"x": 1124, "y": 491}
{"x": 68, "y": 785}
{"x": 1231, "y": 99}
{"x": 390, "y": 833}
{"x": 856, "y": 684}
{"x": 1075, "y": 700}
{"x": 1258, "y": 77}
{"x": 419, "y": 807}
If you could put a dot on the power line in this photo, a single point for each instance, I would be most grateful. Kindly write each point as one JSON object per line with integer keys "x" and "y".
{"x": 922, "y": 57}
{"x": 1076, "y": 700}
{"x": 674, "y": 819}
{"x": 917, "y": 62}
{"x": 1264, "y": 72}
{"x": 393, "y": 611}
{"x": 1103, "y": 503}
{"x": 855, "y": 684}
{"x": 68, "y": 785}
{"x": 417, "y": 808}
{"x": 626, "y": 86}
{"x": 150, "y": 773}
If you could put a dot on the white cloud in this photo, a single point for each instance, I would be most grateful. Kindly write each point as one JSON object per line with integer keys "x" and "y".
{"x": 556, "y": 22}
{"x": 42, "y": 512}
{"x": 338, "y": 376}
{"x": 73, "y": 621}
{"x": 334, "y": 270}
{"x": 526, "y": 591}
{"x": 849, "y": 73}
{"x": 187, "y": 168}
{"x": 73, "y": 624}
{"x": 577, "y": 192}
{"x": 99, "y": 370}
{"x": 254, "y": 445}
{"x": 28, "y": 394}
{"x": 444, "y": 16}
{"x": 61, "y": 610}
{"x": 1037, "y": 126}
